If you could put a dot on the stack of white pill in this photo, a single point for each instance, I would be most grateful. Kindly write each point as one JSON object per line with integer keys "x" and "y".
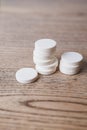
{"x": 44, "y": 56}
{"x": 70, "y": 63}
{"x": 46, "y": 63}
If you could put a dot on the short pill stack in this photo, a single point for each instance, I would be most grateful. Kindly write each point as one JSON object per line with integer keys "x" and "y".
{"x": 70, "y": 63}
{"x": 44, "y": 56}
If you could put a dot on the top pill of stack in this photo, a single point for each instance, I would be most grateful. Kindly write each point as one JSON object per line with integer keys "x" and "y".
{"x": 72, "y": 58}
{"x": 45, "y": 45}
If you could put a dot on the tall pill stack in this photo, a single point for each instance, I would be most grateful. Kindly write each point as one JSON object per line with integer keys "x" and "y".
{"x": 44, "y": 56}
{"x": 71, "y": 63}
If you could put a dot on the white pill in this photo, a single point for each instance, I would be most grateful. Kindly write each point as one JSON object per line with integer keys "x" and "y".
{"x": 69, "y": 71}
{"x": 41, "y": 62}
{"x": 45, "y": 72}
{"x": 41, "y": 68}
{"x": 42, "y": 54}
{"x": 45, "y": 45}
{"x": 40, "y": 57}
{"x": 72, "y": 58}
{"x": 26, "y": 75}
{"x": 50, "y": 66}
{"x": 64, "y": 64}
{"x": 72, "y": 68}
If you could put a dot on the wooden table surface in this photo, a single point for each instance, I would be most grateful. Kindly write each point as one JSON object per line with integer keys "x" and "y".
{"x": 55, "y": 102}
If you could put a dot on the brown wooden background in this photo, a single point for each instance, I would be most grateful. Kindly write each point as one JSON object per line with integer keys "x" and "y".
{"x": 55, "y": 102}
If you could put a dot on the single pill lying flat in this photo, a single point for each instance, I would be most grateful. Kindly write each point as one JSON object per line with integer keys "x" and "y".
{"x": 26, "y": 75}
{"x": 45, "y": 45}
{"x": 72, "y": 58}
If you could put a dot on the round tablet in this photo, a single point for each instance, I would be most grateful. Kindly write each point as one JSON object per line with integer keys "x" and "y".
{"x": 45, "y": 44}
{"x": 65, "y": 64}
{"x": 26, "y": 75}
{"x": 45, "y": 72}
{"x": 62, "y": 62}
{"x": 70, "y": 68}
{"x": 41, "y": 58}
{"x": 50, "y": 66}
{"x": 72, "y": 58}
{"x": 68, "y": 71}
{"x": 43, "y": 53}
{"x": 43, "y": 62}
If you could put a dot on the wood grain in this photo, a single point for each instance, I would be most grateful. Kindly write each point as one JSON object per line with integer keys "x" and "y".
{"x": 55, "y": 102}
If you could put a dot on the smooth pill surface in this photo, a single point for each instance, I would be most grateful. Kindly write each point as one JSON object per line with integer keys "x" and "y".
{"x": 68, "y": 65}
{"x": 45, "y": 71}
{"x": 41, "y": 62}
{"x": 68, "y": 70}
{"x": 26, "y": 75}
{"x": 43, "y": 53}
{"x": 54, "y": 64}
{"x": 43, "y": 57}
{"x": 45, "y": 44}
{"x": 72, "y": 57}
{"x": 64, "y": 63}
